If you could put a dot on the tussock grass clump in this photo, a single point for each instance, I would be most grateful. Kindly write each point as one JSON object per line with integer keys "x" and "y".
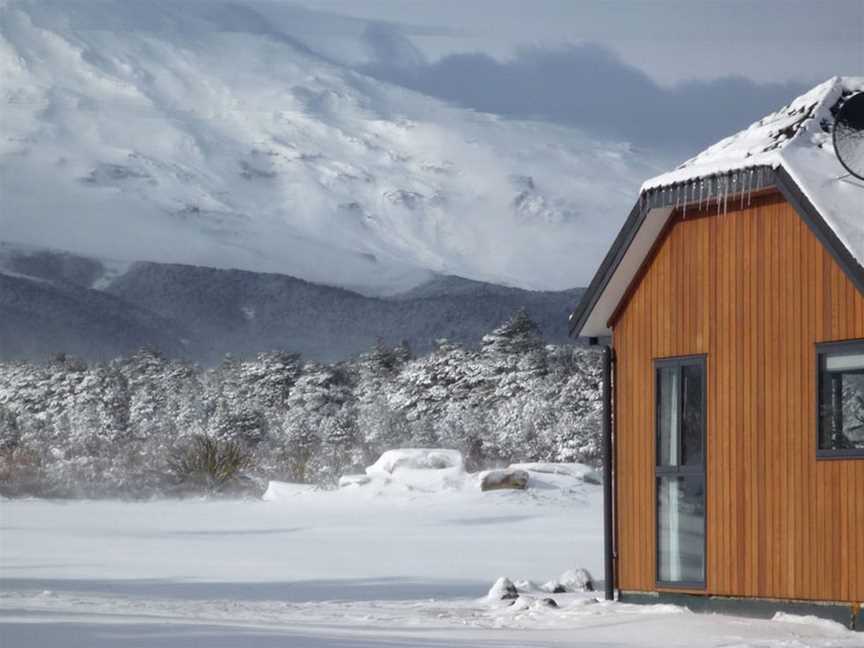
{"x": 209, "y": 465}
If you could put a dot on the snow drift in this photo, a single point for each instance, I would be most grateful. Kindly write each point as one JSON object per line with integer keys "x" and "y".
{"x": 440, "y": 471}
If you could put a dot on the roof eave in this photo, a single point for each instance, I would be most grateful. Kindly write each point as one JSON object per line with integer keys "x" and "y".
{"x": 607, "y": 268}
{"x": 778, "y": 178}
{"x": 678, "y": 194}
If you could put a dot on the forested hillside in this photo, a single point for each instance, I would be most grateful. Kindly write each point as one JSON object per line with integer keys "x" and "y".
{"x": 53, "y": 301}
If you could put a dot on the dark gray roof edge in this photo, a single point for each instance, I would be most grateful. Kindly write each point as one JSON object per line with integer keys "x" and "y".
{"x": 608, "y": 266}
{"x": 669, "y": 197}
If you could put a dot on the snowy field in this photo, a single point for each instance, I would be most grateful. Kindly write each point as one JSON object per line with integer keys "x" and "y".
{"x": 375, "y": 565}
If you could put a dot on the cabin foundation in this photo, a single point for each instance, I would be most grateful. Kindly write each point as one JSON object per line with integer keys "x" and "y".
{"x": 848, "y": 615}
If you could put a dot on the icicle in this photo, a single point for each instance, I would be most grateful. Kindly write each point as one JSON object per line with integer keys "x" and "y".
{"x": 740, "y": 189}
{"x": 684, "y": 195}
{"x": 721, "y": 193}
{"x": 684, "y": 204}
{"x": 749, "y": 186}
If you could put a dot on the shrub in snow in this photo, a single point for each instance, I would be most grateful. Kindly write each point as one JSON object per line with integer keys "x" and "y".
{"x": 577, "y": 580}
{"x": 503, "y": 479}
{"x": 503, "y": 590}
{"x": 208, "y": 465}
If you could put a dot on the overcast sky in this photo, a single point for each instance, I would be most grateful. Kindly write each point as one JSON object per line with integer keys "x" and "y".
{"x": 670, "y": 77}
{"x": 764, "y": 40}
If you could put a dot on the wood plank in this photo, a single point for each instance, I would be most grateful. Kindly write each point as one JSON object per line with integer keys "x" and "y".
{"x": 754, "y": 290}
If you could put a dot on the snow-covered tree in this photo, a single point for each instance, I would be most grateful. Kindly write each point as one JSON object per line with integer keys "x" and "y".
{"x": 68, "y": 428}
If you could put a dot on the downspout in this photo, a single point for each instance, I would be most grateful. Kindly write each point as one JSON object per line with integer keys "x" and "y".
{"x": 608, "y": 473}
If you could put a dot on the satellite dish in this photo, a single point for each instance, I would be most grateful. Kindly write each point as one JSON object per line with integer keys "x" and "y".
{"x": 849, "y": 135}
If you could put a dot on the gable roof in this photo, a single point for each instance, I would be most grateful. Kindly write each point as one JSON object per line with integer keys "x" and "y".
{"x": 790, "y": 150}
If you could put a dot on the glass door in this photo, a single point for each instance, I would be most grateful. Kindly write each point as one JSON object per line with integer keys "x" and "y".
{"x": 680, "y": 471}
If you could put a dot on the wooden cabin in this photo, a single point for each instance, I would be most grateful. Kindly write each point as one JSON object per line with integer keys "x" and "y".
{"x": 732, "y": 308}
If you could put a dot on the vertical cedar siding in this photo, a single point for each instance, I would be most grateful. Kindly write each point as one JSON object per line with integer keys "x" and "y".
{"x": 756, "y": 291}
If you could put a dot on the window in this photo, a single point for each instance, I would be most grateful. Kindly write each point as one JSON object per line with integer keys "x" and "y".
{"x": 841, "y": 399}
{"x": 680, "y": 471}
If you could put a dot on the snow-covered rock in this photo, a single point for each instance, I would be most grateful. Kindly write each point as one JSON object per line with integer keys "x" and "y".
{"x": 415, "y": 470}
{"x": 503, "y": 479}
{"x": 576, "y": 470}
{"x": 522, "y": 602}
{"x": 526, "y": 602}
{"x": 553, "y": 587}
{"x": 573, "y": 478}
{"x": 354, "y": 480}
{"x": 577, "y": 580}
{"x": 503, "y": 590}
{"x": 417, "y": 459}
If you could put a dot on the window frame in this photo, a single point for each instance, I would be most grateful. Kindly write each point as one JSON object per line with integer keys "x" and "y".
{"x": 691, "y": 471}
{"x": 823, "y": 350}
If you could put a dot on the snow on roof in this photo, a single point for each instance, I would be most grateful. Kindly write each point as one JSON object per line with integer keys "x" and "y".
{"x": 798, "y": 138}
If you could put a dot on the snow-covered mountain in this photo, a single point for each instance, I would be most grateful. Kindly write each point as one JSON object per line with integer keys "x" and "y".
{"x": 205, "y": 132}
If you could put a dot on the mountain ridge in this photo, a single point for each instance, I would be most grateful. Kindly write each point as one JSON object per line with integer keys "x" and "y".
{"x": 75, "y": 304}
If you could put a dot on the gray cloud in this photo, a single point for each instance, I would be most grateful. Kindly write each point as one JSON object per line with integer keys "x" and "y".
{"x": 586, "y": 86}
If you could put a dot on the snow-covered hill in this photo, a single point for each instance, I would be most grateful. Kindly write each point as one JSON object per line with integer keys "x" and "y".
{"x": 203, "y": 132}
